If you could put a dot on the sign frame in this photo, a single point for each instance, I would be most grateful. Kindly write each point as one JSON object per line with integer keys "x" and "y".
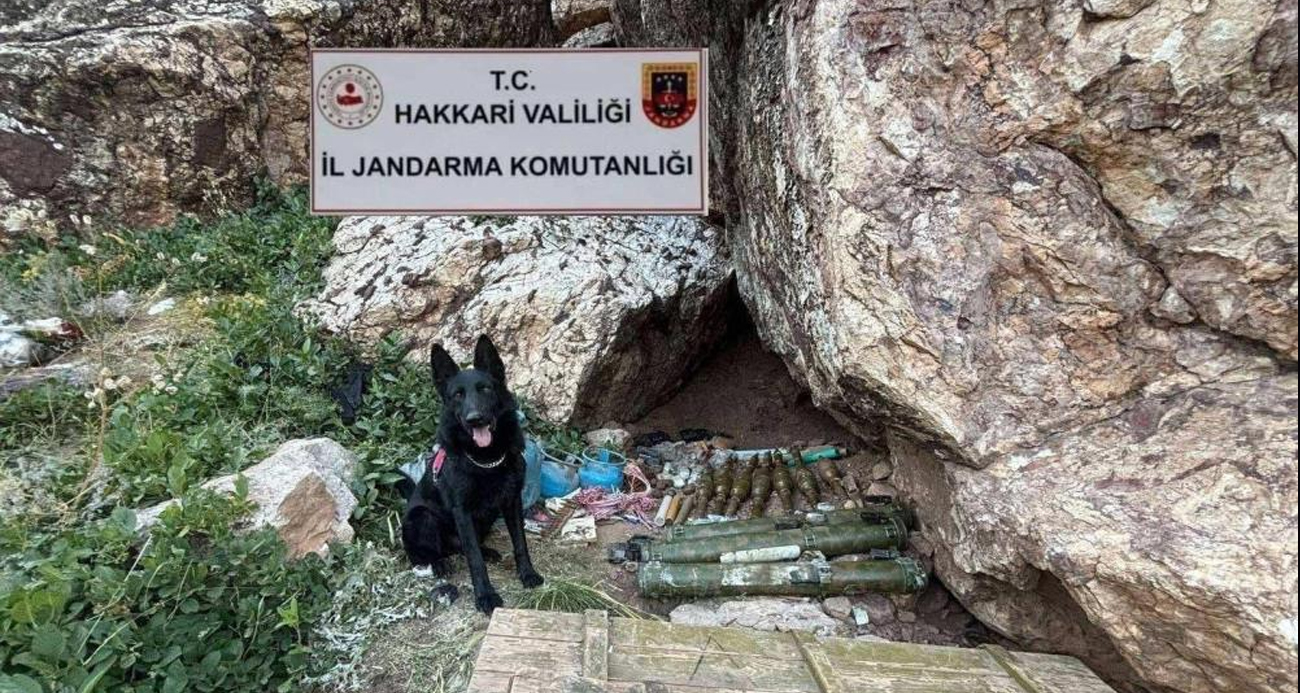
{"x": 703, "y": 108}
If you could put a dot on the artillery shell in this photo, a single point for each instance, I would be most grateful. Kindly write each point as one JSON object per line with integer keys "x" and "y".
{"x": 721, "y": 487}
{"x": 829, "y": 477}
{"x": 673, "y": 508}
{"x": 851, "y": 489}
{"x": 706, "y": 492}
{"x": 805, "y": 480}
{"x": 684, "y": 511}
{"x": 740, "y": 487}
{"x": 782, "y": 484}
{"x": 661, "y": 516}
{"x": 762, "y": 485}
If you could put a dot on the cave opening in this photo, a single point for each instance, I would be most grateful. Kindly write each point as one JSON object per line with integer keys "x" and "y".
{"x": 742, "y": 390}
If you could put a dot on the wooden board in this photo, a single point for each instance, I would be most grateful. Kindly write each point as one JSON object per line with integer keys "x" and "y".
{"x": 547, "y": 652}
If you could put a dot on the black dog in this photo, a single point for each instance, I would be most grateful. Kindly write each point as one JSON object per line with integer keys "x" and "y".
{"x": 480, "y": 477}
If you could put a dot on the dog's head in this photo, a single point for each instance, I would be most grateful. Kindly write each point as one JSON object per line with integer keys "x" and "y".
{"x": 477, "y": 397}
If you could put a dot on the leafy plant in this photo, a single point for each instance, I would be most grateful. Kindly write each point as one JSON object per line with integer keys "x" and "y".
{"x": 197, "y": 606}
{"x": 86, "y": 602}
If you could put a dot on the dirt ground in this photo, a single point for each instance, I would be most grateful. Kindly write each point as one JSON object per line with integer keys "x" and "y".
{"x": 746, "y": 392}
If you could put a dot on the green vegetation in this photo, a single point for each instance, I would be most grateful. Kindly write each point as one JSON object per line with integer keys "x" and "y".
{"x": 86, "y": 603}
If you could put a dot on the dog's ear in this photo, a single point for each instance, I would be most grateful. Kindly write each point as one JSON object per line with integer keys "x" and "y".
{"x": 487, "y": 359}
{"x": 442, "y": 366}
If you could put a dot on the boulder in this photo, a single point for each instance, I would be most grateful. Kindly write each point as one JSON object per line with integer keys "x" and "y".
{"x": 596, "y": 317}
{"x": 1051, "y": 247}
{"x": 302, "y": 490}
{"x": 599, "y": 36}
{"x": 137, "y": 111}
{"x": 610, "y": 437}
{"x": 759, "y": 613}
{"x": 17, "y": 350}
{"x": 838, "y": 607}
{"x": 573, "y": 16}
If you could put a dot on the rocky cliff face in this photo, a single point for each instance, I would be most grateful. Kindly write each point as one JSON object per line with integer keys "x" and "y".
{"x": 1052, "y": 246}
{"x": 139, "y": 110}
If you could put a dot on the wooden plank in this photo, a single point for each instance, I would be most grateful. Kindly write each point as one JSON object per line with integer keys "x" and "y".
{"x": 819, "y": 665}
{"x": 1003, "y": 658}
{"x": 570, "y": 685}
{"x": 540, "y": 652}
{"x": 1059, "y": 673}
{"x": 710, "y": 670}
{"x": 540, "y": 625}
{"x": 651, "y": 635}
{"x": 490, "y": 682}
{"x": 595, "y": 645}
{"x": 530, "y": 657}
{"x": 848, "y": 666}
{"x": 575, "y": 684}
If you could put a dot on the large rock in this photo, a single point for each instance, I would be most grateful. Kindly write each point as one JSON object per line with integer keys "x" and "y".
{"x": 596, "y": 317}
{"x": 573, "y": 16}
{"x": 690, "y": 24}
{"x": 302, "y": 490}
{"x": 1052, "y": 246}
{"x": 759, "y": 613}
{"x": 139, "y": 110}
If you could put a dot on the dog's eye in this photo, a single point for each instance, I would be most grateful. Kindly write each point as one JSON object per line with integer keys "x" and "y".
{"x": 482, "y": 388}
{"x": 460, "y": 393}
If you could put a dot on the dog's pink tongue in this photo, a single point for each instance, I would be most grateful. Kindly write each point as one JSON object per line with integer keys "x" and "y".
{"x": 482, "y": 436}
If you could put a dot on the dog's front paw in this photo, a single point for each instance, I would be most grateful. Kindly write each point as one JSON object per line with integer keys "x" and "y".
{"x": 487, "y": 602}
{"x": 491, "y": 555}
{"x": 530, "y": 578}
{"x": 446, "y": 595}
{"x": 440, "y": 568}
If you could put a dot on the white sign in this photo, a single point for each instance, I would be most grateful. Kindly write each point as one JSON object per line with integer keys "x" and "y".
{"x": 501, "y": 131}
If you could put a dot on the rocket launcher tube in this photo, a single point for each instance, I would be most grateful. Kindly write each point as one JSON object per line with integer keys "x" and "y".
{"x": 831, "y": 540}
{"x": 870, "y": 513}
{"x": 813, "y": 578}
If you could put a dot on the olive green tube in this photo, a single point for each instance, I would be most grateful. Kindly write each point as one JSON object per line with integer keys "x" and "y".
{"x": 868, "y": 513}
{"x": 831, "y": 540}
{"x": 810, "y": 578}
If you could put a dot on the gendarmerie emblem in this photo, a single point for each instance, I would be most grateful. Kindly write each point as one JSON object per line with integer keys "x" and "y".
{"x": 670, "y": 92}
{"x": 349, "y": 96}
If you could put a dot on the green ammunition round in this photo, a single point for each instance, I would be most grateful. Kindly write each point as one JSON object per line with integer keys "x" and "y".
{"x": 740, "y": 487}
{"x": 762, "y": 485}
{"x": 782, "y": 484}
{"x": 705, "y": 492}
{"x": 805, "y": 480}
{"x": 721, "y": 487}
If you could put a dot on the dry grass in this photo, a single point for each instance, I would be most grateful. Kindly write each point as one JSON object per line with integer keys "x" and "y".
{"x": 433, "y": 649}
